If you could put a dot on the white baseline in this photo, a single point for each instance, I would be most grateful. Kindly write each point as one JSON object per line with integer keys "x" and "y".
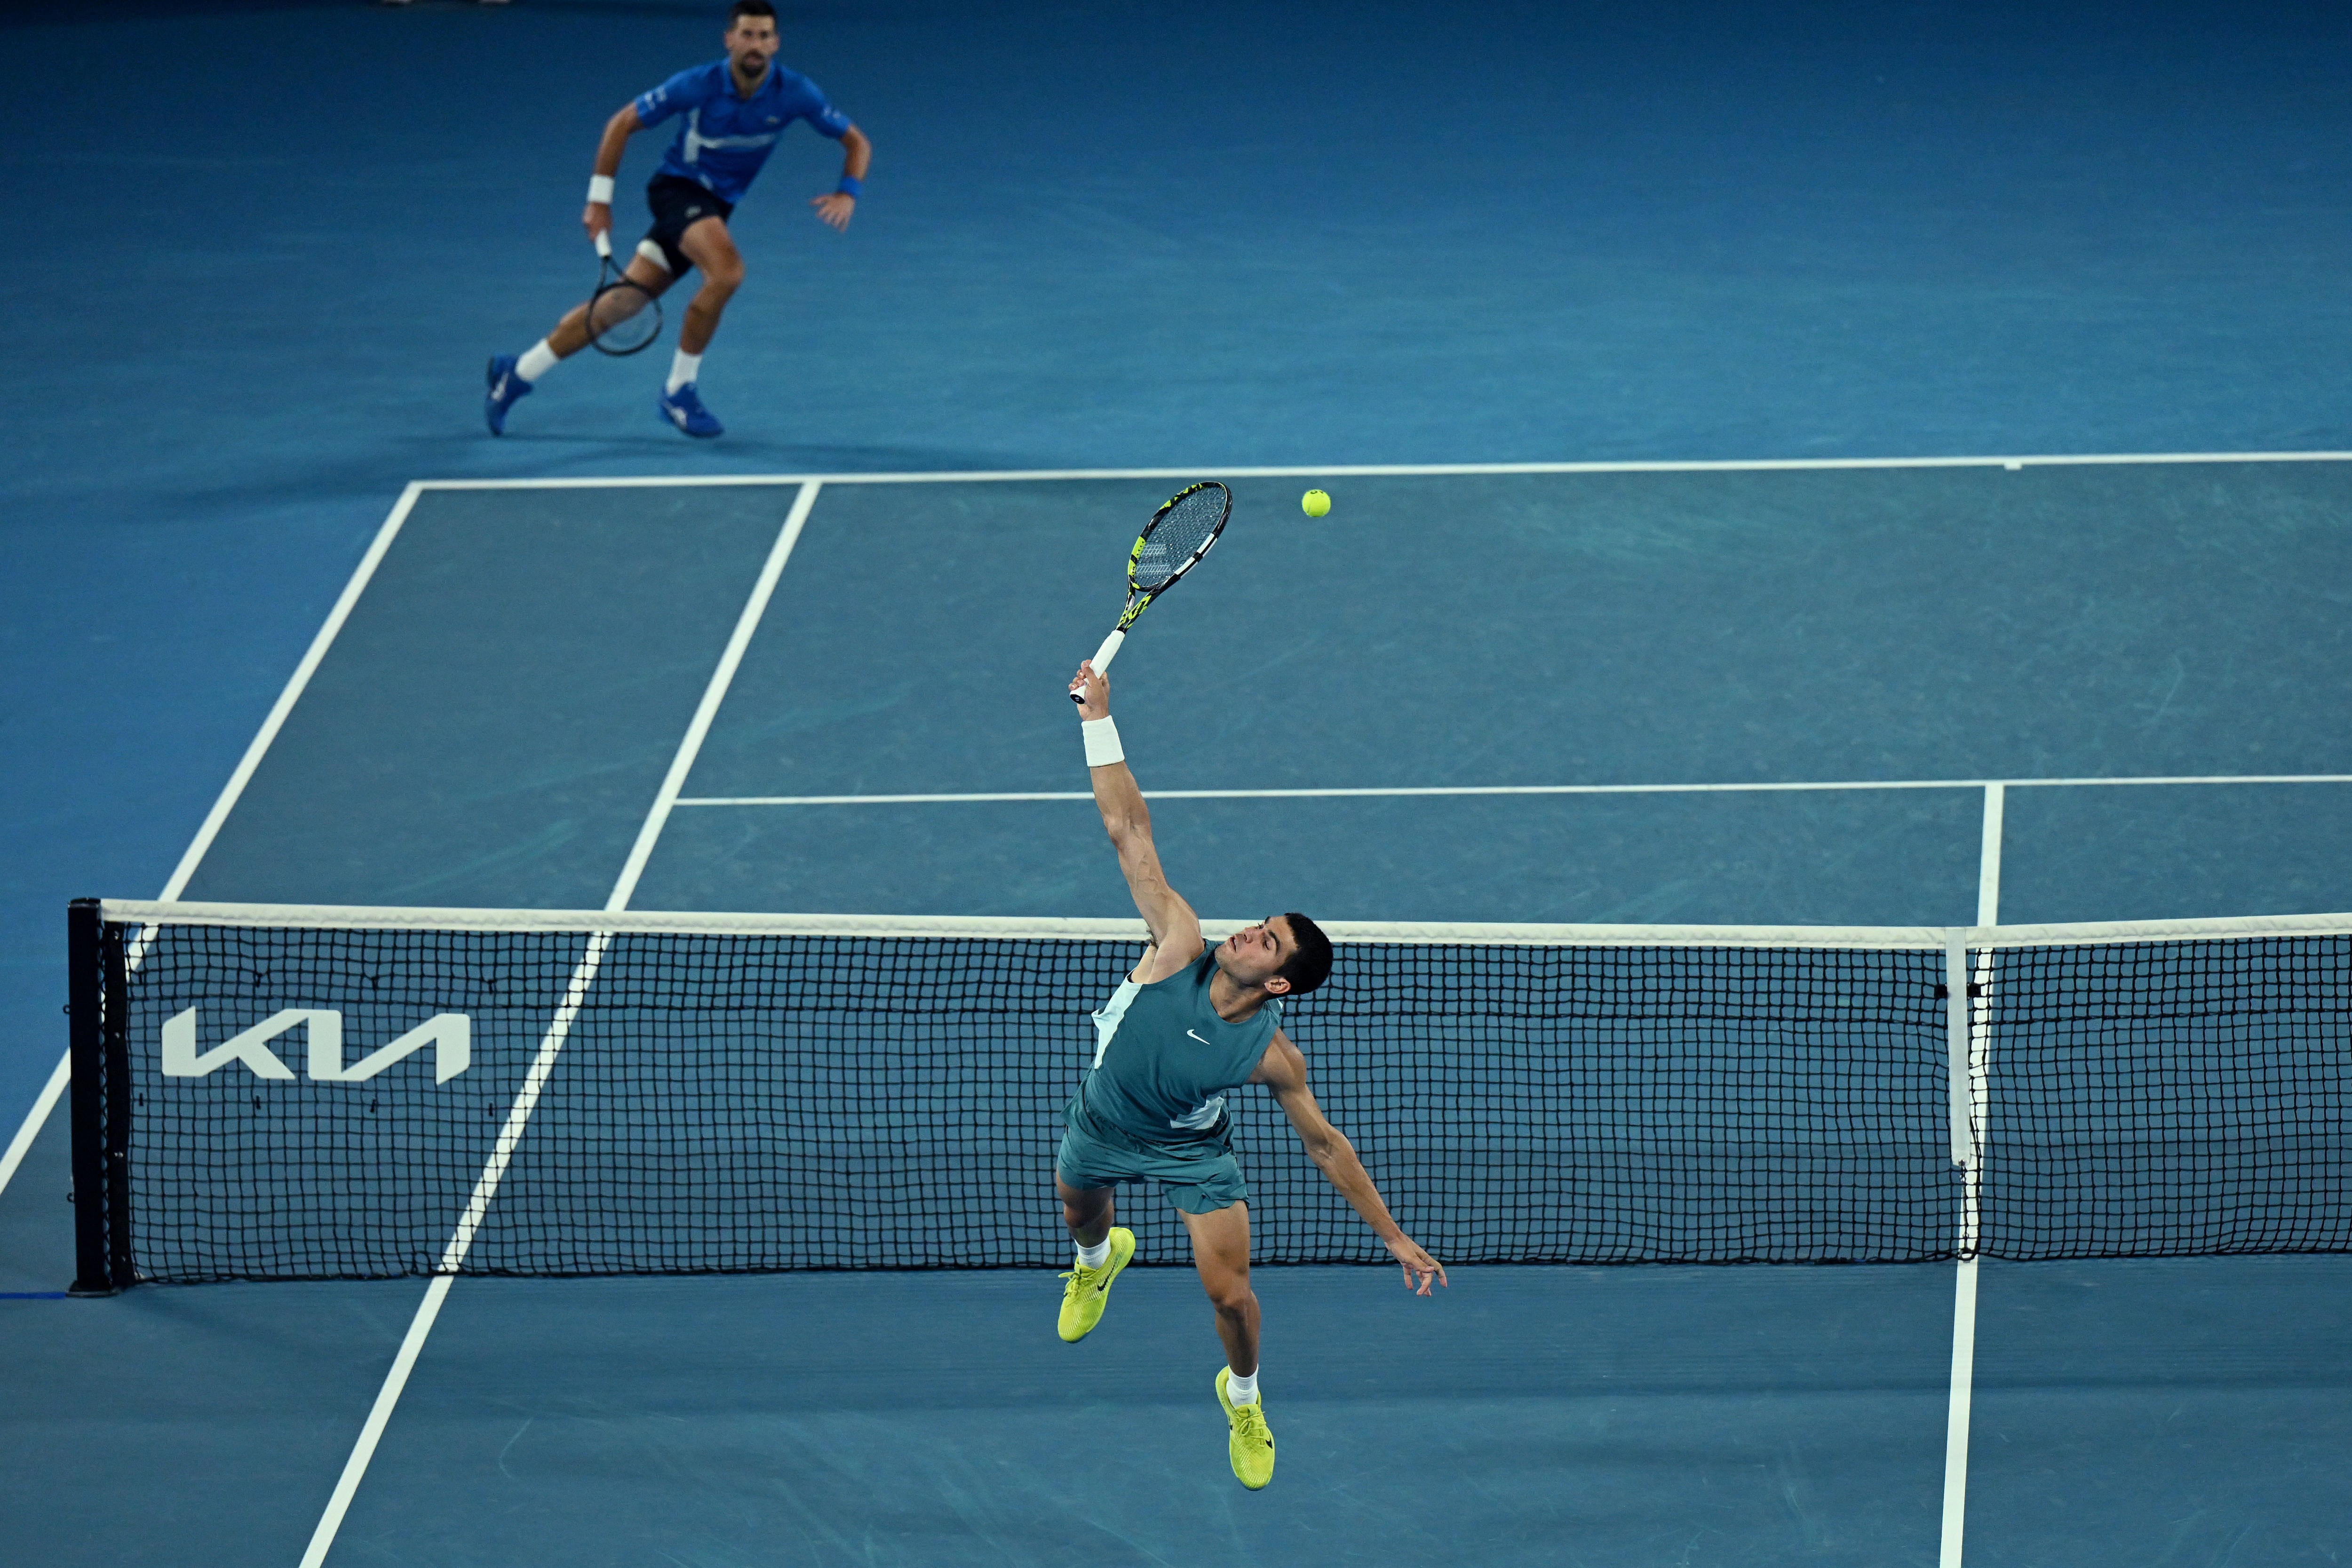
{"x": 1400, "y": 470}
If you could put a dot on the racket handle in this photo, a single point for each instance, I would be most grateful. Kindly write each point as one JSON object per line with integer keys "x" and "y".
{"x": 605, "y": 244}
{"x": 1103, "y": 656}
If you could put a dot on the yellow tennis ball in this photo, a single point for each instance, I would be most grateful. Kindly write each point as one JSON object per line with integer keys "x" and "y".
{"x": 1315, "y": 503}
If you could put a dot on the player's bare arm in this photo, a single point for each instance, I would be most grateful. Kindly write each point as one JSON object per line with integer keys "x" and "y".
{"x": 1284, "y": 1071}
{"x": 597, "y": 218}
{"x": 1175, "y": 929}
{"x": 856, "y": 156}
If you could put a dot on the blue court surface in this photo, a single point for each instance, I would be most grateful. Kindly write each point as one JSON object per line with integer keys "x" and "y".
{"x": 1649, "y": 358}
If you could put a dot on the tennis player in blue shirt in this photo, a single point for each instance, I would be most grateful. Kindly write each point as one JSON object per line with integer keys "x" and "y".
{"x": 729, "y": 114}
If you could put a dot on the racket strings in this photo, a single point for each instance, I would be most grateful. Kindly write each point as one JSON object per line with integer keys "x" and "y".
{"x": 1190, "y": 522}
{"x": 620, "y": 319}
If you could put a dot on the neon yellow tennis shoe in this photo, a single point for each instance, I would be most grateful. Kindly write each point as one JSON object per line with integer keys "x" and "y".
{"x": 1251, "y": 1446}
{"x": 1089, "y": 1289}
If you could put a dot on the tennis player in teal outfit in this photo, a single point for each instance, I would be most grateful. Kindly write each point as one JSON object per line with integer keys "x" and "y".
{"x": 1189, "y": 1022}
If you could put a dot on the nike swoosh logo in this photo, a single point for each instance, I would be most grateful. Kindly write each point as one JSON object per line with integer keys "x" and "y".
{"x": 1202, "y": 1038}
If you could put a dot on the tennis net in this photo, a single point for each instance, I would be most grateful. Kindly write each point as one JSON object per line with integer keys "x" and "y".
{"x": 285, "y": 1093}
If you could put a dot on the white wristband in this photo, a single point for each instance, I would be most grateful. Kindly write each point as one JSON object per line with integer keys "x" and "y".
{"x": 1102, "y": 742}
{"x": 599, "y": 189}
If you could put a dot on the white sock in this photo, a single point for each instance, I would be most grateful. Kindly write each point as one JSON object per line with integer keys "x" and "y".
{"x": 683, "y": 368}
{"x": 1098, "y": 1255}
{"x": 1240, "y": 1390}
{"x": 536, "y": 362}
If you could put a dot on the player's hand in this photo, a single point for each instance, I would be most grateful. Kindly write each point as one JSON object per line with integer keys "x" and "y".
{"x": 1420, "y": 1267}
{"x": 597, "y": 219}
{"x": 835, "y": 209}
{"x": 1093, "y": 692}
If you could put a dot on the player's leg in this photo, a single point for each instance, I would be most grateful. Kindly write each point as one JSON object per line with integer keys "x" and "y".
{"x": 1083, "y": 1170}
{"x": 512, "y": 376}
{"x": 1087, "y": 1212}
{"x": 706, "y": 244}
{"x": 1220, "y": 1253}
{"x": 712, "y": 251}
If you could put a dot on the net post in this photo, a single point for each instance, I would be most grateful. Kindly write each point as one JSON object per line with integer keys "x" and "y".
{"x": 85, "y": 1007}
{"x": 1956, "y": 1019}
{"x": 115, "y": 1045}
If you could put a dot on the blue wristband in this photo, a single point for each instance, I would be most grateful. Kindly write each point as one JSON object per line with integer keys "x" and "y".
{"x": 850, "y": 186}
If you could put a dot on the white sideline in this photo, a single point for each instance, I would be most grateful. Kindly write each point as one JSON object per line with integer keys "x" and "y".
{"x": 649, "y": 832}
{"x": 559, "y": 1030}
{"x": 226, "y": 800}
{"x": 1964, "y": 1282}
{"x": 1397, "y": 470}
{"x": 43, "y": 1104}
{"x": 295, "y": 685}
{"x": 436, "y": 1290}
{"x": 1390, "y": 792}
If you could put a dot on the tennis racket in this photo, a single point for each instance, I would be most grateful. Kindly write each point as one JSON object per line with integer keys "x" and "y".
{"x": 1170, "y": 545}
{"x": 621, "y": 317}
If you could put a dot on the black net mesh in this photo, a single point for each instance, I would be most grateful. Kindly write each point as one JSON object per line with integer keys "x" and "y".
{"x": 744, "y": 1101}
{"x": 2154, "y": 1099}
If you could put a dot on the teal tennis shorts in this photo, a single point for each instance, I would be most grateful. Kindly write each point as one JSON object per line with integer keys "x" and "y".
{"x": 1199, "y": 1178}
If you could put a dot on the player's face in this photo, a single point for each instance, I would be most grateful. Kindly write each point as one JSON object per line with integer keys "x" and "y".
{"x": 751, "y": 43}
{"x": 1252, "y": 956}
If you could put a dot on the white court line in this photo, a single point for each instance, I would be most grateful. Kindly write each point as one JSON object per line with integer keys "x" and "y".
{"x": 559, "y": 1030}
{"x": 1964, "y": 1285}
{"x": 1956, "y": 1429}
{"x": 650, "y": 833}
{"x": 1412, "y": 790}
{"x": 436, "y": 1290}
{"x": 1988, "y": 854}
{"x": 211, "y": 825}
{"x": 1393, "y": 471}
{"x": 295, "y": 684}
{"x": 59, "y": 1076}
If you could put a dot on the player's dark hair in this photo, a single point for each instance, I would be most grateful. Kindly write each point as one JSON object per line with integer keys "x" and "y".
{"x": 742, "y": 8}
{"x": 1311, "y": 964}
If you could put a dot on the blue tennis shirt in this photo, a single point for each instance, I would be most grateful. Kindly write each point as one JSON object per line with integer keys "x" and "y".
{"x": 725, "y": 137}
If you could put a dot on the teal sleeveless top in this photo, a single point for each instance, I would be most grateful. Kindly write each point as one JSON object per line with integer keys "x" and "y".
{"x": 1163, "y": 1058}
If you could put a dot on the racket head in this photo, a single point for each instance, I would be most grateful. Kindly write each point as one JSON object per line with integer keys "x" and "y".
{"x": 1179, "y": 534}
{"x": 623, "y": 319}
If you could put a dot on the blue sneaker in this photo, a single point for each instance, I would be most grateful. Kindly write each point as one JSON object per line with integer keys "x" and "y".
{"x": 506, "y": 389}
{"x": 685, "y": 410}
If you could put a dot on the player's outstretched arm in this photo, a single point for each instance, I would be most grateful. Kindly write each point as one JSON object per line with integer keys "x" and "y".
{"x": 1283, "y": 1070}
{"x": 617, "y": 132}
{"x": 1175, "y": 929}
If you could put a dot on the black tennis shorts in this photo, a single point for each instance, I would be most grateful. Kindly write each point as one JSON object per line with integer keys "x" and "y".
{"x": 677, "y": 205}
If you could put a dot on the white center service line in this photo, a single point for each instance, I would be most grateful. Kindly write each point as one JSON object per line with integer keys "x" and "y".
{"x": 558, "y": 1031}
{"x": 1971, "y": 1096}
